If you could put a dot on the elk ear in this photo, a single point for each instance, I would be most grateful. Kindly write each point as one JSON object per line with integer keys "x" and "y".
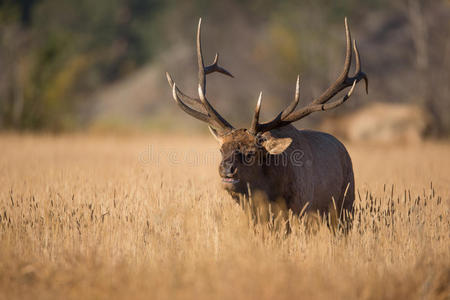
{"x": 276, "y": 145}
{"x": 215, "y": 134}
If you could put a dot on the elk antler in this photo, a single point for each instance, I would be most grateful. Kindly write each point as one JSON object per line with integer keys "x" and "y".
{"x": 208, "y": 113}
{"x": 288, "y": 115}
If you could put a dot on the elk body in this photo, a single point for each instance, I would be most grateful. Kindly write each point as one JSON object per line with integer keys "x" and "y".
{"x": 297, "y": 167}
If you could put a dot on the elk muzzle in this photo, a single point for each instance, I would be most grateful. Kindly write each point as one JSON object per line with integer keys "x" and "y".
{"x": 228, "y": 172}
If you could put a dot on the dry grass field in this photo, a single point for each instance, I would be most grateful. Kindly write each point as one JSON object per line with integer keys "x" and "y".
{"x": 89, "y": 217}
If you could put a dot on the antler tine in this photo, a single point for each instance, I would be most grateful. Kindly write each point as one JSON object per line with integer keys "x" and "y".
{"x": 357, "y": 58}
{"x": 342, "y": 79}
{"x": 358, "y": 67}
{"x": 212, "y": 112}
{"x": 255, "y": 121}
{"x": 214, "y": 67}
{"x": 196, "y": 114}
{"x": 278, "y": 120}
{"x": 196, "y": 103}
{"x": 201, "y": 65}
{"x": 348, "y": 51}
{"x": 288, "y": 110}
{"x": 322, "y": 107}
{"x": 332, "y": 105}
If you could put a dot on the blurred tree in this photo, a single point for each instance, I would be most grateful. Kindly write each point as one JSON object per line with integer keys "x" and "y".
{"x": 429, "y": 29}
{"x": 55, "y": 53}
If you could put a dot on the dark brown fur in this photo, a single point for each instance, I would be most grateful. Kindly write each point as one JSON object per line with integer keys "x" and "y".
{"x": 315, "y": 168}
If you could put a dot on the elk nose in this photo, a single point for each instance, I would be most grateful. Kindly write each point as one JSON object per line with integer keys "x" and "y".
{"x": 227, "y": 169}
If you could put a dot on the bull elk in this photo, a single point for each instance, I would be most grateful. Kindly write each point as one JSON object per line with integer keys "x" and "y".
{"x": 301, "y": 167}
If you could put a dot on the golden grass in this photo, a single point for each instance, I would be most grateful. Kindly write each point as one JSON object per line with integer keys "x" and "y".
{"x": 100, "y": 218}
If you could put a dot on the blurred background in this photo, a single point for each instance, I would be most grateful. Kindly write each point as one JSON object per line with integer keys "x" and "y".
{"x": 100, "y": 65}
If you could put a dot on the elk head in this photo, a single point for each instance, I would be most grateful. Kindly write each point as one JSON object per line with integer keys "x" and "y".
{"x": 246, "y": 152}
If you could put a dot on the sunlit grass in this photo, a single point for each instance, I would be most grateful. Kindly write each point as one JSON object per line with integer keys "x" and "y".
{"x": 89, "y": 217}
